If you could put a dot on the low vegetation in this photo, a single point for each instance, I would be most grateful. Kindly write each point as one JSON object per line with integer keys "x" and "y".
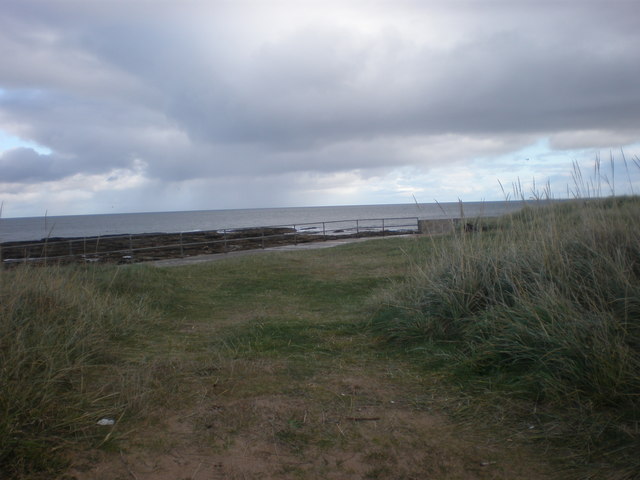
{"x": 348, "y": 362}
{"x": 545, "y": 306}
{"x": 64, "y": 338}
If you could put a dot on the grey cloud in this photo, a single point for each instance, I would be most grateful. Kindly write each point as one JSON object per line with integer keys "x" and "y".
{"x": 494, "y": 85}
{"x": 596, "y": 139}
{"x": 25, "y": 165}
{"x": 198, "y": 94}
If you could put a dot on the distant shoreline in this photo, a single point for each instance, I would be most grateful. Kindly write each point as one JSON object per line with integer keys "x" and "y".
{"x": 80, "y": 226}
{"x": 124, "y": 248}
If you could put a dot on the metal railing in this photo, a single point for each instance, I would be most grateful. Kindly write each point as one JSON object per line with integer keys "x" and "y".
{"x": 154, "y": 246}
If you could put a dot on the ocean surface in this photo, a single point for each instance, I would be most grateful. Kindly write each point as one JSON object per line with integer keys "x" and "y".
{"x": 303, "y": 218}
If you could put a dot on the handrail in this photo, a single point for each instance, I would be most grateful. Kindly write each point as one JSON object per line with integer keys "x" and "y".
{"x": 223, "y": 239}
{"x": 234, "y": 229}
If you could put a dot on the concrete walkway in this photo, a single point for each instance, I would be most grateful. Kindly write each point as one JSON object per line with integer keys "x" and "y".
{"x": 177, "y": 262}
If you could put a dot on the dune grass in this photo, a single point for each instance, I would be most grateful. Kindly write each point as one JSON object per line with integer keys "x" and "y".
{"x": 64, "y": 338}
{"x": 545, "y": 307}
{"x": 529, "y": 328}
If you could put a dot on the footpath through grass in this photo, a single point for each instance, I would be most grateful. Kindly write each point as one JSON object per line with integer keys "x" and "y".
{"x": 255, "y": 367}
{"x": 278, "y": 365}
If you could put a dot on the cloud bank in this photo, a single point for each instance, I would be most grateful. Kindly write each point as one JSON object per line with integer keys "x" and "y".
{"x": 193, "y": 105}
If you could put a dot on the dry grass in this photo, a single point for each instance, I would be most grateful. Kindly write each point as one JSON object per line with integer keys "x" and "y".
{"x": 545, "y": 307}
{"x": 63, "y": 364}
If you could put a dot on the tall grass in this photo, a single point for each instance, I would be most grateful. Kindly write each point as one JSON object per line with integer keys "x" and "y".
{"x": 63, "y": 364}
{"x": 550, "y": 303}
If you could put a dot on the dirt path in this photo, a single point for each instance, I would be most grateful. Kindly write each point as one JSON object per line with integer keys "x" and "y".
{"x": 344, "y": 426}
{"x": 273, "y": 375}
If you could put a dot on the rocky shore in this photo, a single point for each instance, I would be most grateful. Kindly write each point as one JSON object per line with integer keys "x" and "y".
{"x": 158, "y": 246}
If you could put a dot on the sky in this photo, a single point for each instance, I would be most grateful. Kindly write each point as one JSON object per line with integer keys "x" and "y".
{"x": 167, "y": 105}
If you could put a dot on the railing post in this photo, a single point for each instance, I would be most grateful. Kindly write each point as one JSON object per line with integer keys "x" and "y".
{"x": 262, "y": 236}
{"x": 224, "y": 233}
{"x": 295, "y": 235}
{"x": 131, "y": 245}
{"x": 324, "y": 232}
{"x": 181, "y": 246}
{"x": 357, "y": 228}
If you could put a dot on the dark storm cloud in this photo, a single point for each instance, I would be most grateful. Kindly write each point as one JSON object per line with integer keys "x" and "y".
{"x": 194, "y": 90}
{"x": 25, "y": 165}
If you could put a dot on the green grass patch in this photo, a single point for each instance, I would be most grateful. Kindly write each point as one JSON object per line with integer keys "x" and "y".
{"x": 79, "y": 344}
{"x": 544, "y": 307}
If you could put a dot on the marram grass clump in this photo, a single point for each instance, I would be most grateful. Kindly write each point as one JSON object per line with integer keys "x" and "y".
{"x": 549, "y": 302}
{"x": 62, "y": 364}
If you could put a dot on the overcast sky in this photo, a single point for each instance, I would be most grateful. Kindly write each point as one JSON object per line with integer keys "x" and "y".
{"x": 140, "y": 105}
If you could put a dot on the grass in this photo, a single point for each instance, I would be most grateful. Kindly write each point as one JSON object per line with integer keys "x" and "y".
{"x": 80, "y": 344}
{"x": 339, "y": 362}
{"x": 63, "y": 364}
{"x": 545, "y": 307}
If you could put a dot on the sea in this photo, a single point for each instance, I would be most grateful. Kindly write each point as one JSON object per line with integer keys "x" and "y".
{"x": 37, "y": 228}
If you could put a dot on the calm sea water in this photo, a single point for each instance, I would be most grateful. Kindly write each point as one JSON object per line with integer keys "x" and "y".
{"x": 36, "y": 228}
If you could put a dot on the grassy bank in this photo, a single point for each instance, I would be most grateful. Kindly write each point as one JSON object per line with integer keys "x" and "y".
{"x": 336, "y": 363}
{"x": 546, "y": 308}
